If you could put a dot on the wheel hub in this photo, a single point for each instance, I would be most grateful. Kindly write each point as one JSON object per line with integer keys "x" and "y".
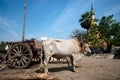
{"x": 19, "y": 54}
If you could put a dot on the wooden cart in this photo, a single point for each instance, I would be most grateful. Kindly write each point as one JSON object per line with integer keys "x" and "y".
{"x": 20, "y": 54}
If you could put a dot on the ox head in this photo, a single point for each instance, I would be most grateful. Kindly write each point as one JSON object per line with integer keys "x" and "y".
{"x": 85, "y": 48}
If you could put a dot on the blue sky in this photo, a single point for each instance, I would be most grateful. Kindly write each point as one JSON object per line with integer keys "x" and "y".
{"x": 51, "y": 18}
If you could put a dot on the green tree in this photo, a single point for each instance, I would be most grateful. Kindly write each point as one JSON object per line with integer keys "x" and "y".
{"x": 105, "y": 25}
{"x": 115, "y": 33}
{"x": 3, "y": 45}
{"x": 110, "y": 30}
{"x": 80, "y": 35}
{"x": 85, "y": 20}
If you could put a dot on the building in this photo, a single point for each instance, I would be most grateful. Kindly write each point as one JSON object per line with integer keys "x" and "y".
{"x": 94, "y": 36}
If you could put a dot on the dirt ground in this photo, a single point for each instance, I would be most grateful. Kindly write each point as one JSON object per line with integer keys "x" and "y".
{"x": 96, "y": 67}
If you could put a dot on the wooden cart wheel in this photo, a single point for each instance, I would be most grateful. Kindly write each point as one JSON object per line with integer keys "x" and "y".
{"x": 20, "y": 55}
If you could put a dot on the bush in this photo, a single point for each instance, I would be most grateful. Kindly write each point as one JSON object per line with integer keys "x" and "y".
{"x": 116, "y": 52}
{"x": 96, "y": 50}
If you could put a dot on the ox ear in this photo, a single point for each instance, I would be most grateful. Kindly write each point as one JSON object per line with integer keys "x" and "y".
{"x": 82, "y": 46}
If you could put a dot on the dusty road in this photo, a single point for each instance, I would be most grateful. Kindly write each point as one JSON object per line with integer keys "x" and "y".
{"x": 88, "y": 68}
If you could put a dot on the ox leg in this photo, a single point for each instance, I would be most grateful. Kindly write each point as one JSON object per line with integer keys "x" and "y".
{"x": 41, "y": 66}
{"x": 67, "y": 59}
{"x": 73, "y": 64}
{"x": 46, "y": 65}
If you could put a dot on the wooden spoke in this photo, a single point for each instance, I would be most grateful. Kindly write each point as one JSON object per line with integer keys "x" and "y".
{"x": 14, "y": 63}
{"x": 18, "y": 63}
{"x": 20, "y": 49}
{"x": 26, "y": 54}
{"x": 12, "y": 60}
{"x": 25, "y": 51}
{"x": 23, "y": 48}
{"x": 13, "y": 56}
{"x": 15, "y": 50}
{"x": 24, "y": 60}
{"x": 13, "y": 53}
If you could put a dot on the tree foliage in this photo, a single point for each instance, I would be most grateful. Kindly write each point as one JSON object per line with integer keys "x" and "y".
{"x": 80, "y": 35}
{"x": 3, "y": 45}
{"x": 107, "y": 26}
{"x": 85, "y": 20}
{"x": 110, "y": 29}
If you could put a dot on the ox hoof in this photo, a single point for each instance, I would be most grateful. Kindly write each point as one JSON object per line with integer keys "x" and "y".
{"x": 74, "y": 70}
{"x": 41, "y": 69}
{"x": 48, "y": 73}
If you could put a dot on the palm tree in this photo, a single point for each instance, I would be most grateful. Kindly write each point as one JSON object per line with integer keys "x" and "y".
{"x": 85, "y": 21}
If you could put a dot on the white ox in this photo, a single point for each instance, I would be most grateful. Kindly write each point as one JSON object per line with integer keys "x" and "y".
{"x": 61, "y": 49}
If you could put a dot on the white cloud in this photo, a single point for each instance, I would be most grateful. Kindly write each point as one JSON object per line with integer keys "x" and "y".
{"x": 7, "y": 25}
{"x": 64, "y": 16}
{"x": 114, "y": 10}
{"x": 39, "y": 4}
{"x": 69, "y": 14}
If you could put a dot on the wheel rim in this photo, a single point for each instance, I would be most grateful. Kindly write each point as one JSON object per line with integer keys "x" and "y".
{"x": 20, "y": 55}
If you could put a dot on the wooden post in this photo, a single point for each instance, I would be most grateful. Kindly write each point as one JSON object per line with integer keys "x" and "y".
{"x": 23, "y": 34}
